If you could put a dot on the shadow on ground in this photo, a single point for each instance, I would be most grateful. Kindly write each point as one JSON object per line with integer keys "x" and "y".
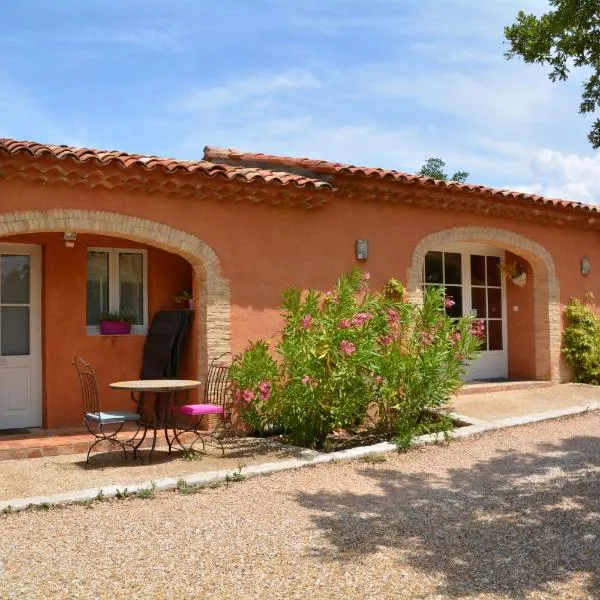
{"x": 516, "y": 522}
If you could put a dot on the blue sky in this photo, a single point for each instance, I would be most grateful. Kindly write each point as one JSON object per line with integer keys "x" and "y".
{"x": 383, "y": 83}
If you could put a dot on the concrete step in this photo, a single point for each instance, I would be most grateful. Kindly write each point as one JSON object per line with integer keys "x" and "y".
{"x": 490, "y": 387}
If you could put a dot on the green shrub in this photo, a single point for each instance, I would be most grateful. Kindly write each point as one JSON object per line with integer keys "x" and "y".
{"x": 581, "y": 342}
{"x": 349, "y": 350}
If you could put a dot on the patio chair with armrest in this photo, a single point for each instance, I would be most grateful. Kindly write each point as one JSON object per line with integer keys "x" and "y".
{"x": 96, "y": 419}
{"x": 216, "y": 402}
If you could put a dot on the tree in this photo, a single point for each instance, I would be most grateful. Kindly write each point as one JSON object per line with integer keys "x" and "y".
{"x": 434, "y": 167}
{"x": 566, "y": 37}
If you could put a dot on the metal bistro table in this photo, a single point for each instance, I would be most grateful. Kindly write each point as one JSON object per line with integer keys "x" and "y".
{"x": 160, "y": 390}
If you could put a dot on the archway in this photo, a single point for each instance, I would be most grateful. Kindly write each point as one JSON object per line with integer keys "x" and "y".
{"x": 212, "y": 290}
{"x": 547, "y": 320}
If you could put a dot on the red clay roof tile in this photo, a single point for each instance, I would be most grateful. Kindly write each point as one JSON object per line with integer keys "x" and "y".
{"x": 150, "y": 163}
{"x": 332, "y": 168}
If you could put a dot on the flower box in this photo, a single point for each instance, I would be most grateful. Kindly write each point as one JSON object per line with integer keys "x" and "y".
{"x": 114, "y": 328}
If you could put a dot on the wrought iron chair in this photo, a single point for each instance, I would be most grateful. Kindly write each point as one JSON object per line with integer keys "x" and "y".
{"x": 216, "y": 402}
{"x": 95, "y": 419}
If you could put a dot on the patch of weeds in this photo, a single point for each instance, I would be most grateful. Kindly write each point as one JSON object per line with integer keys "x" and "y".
{"x": 100, "y": 497}
{"x": 8, "y": 510}
{"x": 122, "y": 495}
{"x": 192, "y": 455}
{"x": 147, "y": 493}
{"x": 236, "y": 475}
{"x": 374, "y": 459}
{"x": 183, "y": 487}
{"x": 404, "y": 441}
{"x": 44, "y": 506}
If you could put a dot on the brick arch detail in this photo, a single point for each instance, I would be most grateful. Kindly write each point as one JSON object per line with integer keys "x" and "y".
{"x": 547, "y": 321}
{"x": 212, "y": 302}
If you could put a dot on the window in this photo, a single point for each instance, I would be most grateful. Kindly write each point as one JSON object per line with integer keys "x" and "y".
{"x": 116, "y": 282}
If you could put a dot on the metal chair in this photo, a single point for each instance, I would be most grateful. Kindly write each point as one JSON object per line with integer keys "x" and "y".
{"x": 216, "y": 402}
{"x": 95, "y": 419}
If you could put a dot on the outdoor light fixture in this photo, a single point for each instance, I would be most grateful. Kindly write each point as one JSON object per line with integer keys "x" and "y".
{"x": 362, "y": 249}
{"x": 70, "y": 237}
{"x": 585, "y": 266}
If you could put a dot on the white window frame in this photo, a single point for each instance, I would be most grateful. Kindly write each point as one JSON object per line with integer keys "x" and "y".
{"x": 114, "y": 288}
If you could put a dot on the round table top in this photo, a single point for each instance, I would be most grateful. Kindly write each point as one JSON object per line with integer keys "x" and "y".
{"x": 156, "y": 385}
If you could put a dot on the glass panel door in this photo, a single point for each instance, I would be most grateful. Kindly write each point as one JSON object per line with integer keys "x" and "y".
{"x": 15, "y": 305}
{"x": 486, "y": 298}
{"x": 445, "y": 269}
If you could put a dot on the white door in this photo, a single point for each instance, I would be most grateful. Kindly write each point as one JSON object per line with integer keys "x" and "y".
{"x": 20, "y": 336}
{"x": 470, "y": 274}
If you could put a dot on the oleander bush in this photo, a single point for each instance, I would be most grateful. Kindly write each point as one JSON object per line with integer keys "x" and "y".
{"x": 581, "y": 342}
{"x": 351, "y": 353}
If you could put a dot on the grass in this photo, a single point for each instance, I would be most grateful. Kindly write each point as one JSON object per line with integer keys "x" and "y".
{"x": 374, "y": 459}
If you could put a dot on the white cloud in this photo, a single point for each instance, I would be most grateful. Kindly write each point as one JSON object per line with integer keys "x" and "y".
{"x": 569, "y": 176}
{"x": 255, "y": 87}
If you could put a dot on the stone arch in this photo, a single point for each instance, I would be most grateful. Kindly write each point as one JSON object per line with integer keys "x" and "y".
{"x": 547, "y": 322}
{"x": 213, "y": 317}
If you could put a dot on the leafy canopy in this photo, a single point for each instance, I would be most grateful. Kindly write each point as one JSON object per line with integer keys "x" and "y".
{"x": 563, "y": 38}
{"x": 434, "y": 167}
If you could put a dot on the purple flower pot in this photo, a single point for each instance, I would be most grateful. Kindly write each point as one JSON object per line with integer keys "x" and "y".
{"x": 114, "y": 328}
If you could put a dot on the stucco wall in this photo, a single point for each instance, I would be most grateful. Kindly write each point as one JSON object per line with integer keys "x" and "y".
{"x": 261, "y": 249}
{"x": 63, "y": 316}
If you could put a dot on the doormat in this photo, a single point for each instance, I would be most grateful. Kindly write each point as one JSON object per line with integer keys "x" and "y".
{"x": 14, "y": 431}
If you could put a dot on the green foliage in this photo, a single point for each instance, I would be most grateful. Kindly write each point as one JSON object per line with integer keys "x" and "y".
{"x": 348, "y": 352}
{"x": 191, "y": 455}
{"x": 121, "y": 317}
{"x": 563, "y": 38}
{"x": 434, "y": 167}
{"x": 374, "y": 459}
{"x": 581, "y": 342}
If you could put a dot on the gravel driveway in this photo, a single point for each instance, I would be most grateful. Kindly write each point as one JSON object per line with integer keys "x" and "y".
{"x": 514, "y": 514}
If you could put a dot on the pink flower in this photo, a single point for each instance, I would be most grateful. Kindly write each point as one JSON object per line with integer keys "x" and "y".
{"x": 306, "y": 321}
{"x": 392, "y": 316}
{"x": 306, "y": 380}
{"x": 455, "y": 338}
{"x": 478, "y": 329}
{"x": 449, "y": 302}
{"x": 248, "y": 395}
{"x": 366, "y": 276}
{"x": 309, "y": 381}
{"x": 360, "y": 319}
{"x": 344, "y": 324}
{"x": 385, "y": 340}
{"x": 426, "y": 338}
{"x": 347, "y": 347}
{"x": 379, "y": 379}
{"x": 264, "y": 389}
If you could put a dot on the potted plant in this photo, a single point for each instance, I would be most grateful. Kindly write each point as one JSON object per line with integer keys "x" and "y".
{"x": 185, "y": 297}
{"x": 515, "y": 272}
{"x": 115, "y": 323}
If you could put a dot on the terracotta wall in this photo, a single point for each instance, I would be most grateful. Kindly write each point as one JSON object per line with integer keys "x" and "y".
{"x": 520, "y": 319}
{"x": 64, "y": 306}
{"x": 262, "y": 249}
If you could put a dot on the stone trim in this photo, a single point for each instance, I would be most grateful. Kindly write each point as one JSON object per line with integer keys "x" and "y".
{"x": 213, "y": 307}
{"x": 547, "y": 322}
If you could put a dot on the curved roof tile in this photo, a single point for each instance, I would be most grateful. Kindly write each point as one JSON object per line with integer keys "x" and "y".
{"x": 152, "y": 163}
{"x": 333, "y": 168}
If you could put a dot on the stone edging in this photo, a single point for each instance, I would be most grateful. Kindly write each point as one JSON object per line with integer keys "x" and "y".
{"x": 309, "y": 458}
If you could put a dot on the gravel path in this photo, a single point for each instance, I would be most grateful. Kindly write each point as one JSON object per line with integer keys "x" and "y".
{"x": 512, "y": 515}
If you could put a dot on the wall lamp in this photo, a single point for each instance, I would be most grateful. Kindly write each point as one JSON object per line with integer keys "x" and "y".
{"x": 362, "y": 249}
{"x": 70, "y": 237}
{"x": 585, "y": 266}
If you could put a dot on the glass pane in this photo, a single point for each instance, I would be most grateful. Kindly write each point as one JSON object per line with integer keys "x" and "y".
{"x": 495, "y": 303}
{"x": 478, "y": 303}
{"x": 493, "y": 270}
{"x": 495, "y": 334}
{"x": 452, "y": 267}
{"x": 433, "y": 267}
{"x": 97, "y": 286}
{"x": 477, "y": 269}
{"x": 14, "y": 330}
{"x": 455, "y": 292}
{"x": 131, "y": 284}
{"x": 15, "y": 279}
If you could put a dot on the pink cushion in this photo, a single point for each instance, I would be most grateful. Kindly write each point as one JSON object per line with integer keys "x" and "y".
{"x": 199, "y": 409}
